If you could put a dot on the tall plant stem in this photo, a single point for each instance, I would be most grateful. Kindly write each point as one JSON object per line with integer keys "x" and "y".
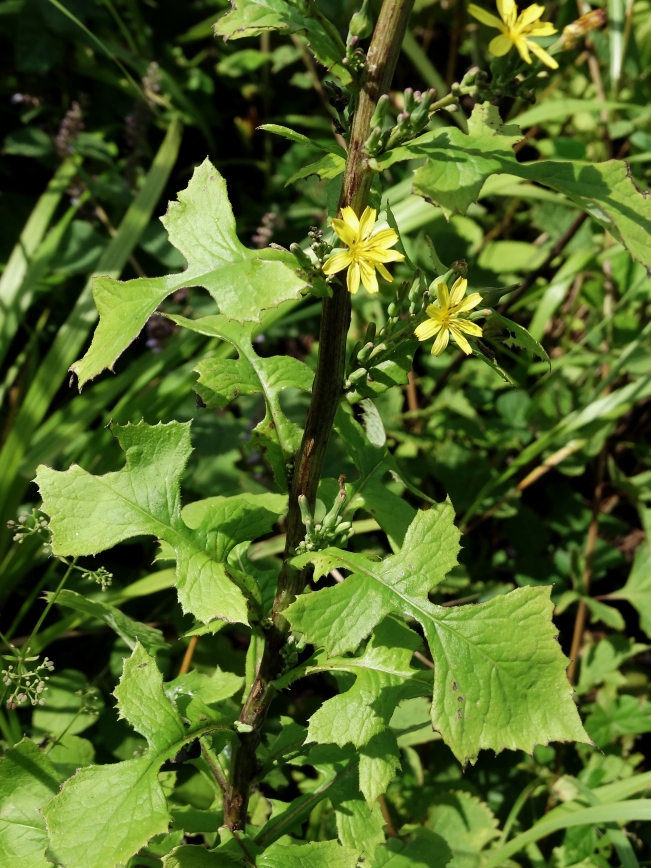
{"x": 326, "y": 394}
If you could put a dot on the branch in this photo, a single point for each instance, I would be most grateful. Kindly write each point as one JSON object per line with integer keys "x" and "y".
{"x": 326, "y": 394}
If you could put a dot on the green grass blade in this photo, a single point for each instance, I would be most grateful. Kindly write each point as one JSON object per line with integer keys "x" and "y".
{"x": 622, "y": 812}
{"x": 74, "y": 332}
{"x": 14, "y": 313}
{"x": 26, "y": 247}
{"x": 134, "y": 84}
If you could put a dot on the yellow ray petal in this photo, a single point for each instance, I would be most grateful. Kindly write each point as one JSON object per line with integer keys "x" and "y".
{"x": 470, "y": 328}
{"x": 427, "y": 329}
{"x": 521, "y": 44}
{"x": 383, "y": 238}
{"x": 500, "y": 46}
{"x": 545, "y": 28}
{"x": 541, "y": 54}
{"x": 469, "y": 302}
{"x": 369, "y": 278}
{"x": 442, "y": 294}
{"x": 337, "y": 262}
{"x": 349, "y": 217}
{"x": 383, "y": 255}
{"x": 528, "y": 16}
{"x": 343, "y": 230}
{"x": 353, "y": 278}
{"x": 461, "y": 341}
{"x": 367, "y": 222}
{"x": 458, "y": 291}
{"x": 385, "y": 274}
{"x": 441, "y": 342}
{"x": 485, "y": 17}
{"x": 508, "y": 11}
{"x": 434, "y": 312}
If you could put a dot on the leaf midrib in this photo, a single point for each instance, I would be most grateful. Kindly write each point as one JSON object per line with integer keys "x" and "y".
{"x": 427, "y": 615}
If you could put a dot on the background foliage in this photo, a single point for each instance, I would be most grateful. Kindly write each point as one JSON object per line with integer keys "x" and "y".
{"x": 549, "y": 475}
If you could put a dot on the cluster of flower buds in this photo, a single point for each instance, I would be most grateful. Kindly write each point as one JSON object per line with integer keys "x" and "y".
{"x": 31, "y": 524}
{"x": 409, "y": 123}
{"x": 101, "y": 577}
{"x": 380, "y": 346}
{"x": 27, "y": 683}
{"x": 333, "y": 530}
{"x": 361, "y": 27}
{"x": 311, "y": 264}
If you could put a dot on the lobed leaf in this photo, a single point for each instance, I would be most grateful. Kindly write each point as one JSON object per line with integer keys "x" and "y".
{"x": 115, "y": 809}
{"x": 254, "y": 17}
{"x": 201, "y": 226}
{"x": 499, "y": 674}
{"x": 92, "y": 513}
{"x": 222, "y": 380}
{"x": 127, "y": 629}
{"x": 28, "y": 780}
{"x": 459, "y": 164}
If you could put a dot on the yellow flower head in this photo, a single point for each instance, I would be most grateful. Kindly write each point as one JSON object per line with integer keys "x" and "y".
{"x": 367, "y": 250}
{"x": 445, "y": 317}
{"x": 516, "y": 30}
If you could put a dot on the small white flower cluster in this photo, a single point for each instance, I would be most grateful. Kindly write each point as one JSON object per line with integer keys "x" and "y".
{"x": 27, "y": 683}
{"x": 102, "y": 577}
{"x": 29, "y": 524}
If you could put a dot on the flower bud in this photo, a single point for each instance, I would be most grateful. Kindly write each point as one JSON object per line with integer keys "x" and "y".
{"x": 380, "y": 112}
{"x": 301, "y": 256}
{"x": 584, "y": 24}
{"x": 361, "y": 24}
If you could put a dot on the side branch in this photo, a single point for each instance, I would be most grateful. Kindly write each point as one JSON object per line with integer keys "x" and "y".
{"x": 326, "y": 395}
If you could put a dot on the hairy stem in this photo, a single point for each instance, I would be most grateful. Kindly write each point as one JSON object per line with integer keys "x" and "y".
{"x": 326, "y": 395}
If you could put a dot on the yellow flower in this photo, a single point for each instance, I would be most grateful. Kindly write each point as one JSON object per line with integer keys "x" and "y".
{"x": 367, "y": 250}
{"x": 445, "y": 317}
{"x": 516, "y": 30}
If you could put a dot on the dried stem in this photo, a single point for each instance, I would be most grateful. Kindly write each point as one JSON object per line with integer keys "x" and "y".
{"x": 326, "y": 395}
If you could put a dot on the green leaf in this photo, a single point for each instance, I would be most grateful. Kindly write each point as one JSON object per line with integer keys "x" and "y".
{"x": 92, "y": 513}
{"x": 459, "y": 164}
{"x": 201, "y": 226}
{"x": 427, "y": 850}
{"x": 328, "y": 167}
{"x": 623, "y": 812}
{"x": 624, "y": 715}
{"x": 323, "y": 854}
{"x": 603, "y": 657}
{"x": 28, "y": 780}
{"x": 361, "y": 715}
{"x": 381, "y": 676}
{"x": 523, "y": 339}
{"x": 360, "y": 826}
{"x": 115, "y": 809}
{"x": 254, "y": 17}
{"x": 608, "y": 615}
{"x": 466, "y": 823}
{"x": 637, "y": 589}
{"x": 195, "y": 856}
{"x": 222, "y": 380}
{"x": 392, "y": 369}
{"x": 379, "y": 760}
{"x": 300, "y": 139}
{"x": 128, "y": 629}
{"x": 499, "y": 673}
{"x": 392, "y": 513}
